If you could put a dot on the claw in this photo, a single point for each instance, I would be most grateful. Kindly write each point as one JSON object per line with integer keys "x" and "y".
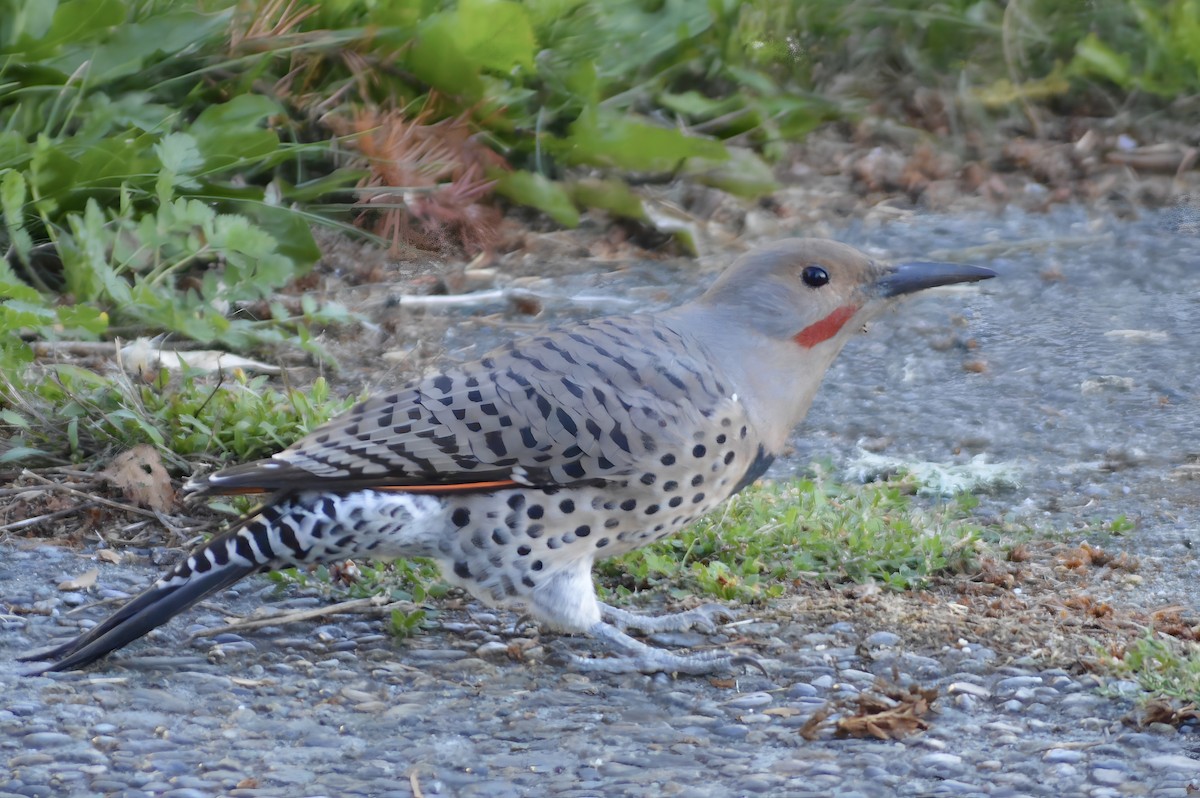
{"x": 703, "y": 619}
{"x": 641, "y": 658}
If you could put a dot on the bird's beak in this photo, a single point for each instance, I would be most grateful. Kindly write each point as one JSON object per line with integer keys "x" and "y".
{"x": 905, "y": 278}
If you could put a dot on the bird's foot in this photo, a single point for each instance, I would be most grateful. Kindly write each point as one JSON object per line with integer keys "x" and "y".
{"x": 637, "y": 657}
{"x": 703, "y": 619}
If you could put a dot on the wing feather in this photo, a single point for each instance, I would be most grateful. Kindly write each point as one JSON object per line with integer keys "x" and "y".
{"x": 585, "y": 403}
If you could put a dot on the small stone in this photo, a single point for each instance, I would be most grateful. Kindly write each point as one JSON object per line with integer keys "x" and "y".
{"x": 494, "y": 649}
{"x": 882, "y": 640}
{"x": 802, "y": 690}
{"x": 1055, "y": 755}
{"x": 47, "y": 739}
{"x": 1176, "y": 762}
{"x": 750, "y": 701}
{"x": 1107, "y": 777}
{"x": 1012, "y": 683}
{"x": 853, "y": 675}
{"x": 736, "y": 731}
{"x": 969, "y": 688}
{"x": 940, "y": 764}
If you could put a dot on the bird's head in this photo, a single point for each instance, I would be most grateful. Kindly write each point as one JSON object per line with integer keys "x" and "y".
{"x": 776, "y": 319}
{"x": 811, "y": 290}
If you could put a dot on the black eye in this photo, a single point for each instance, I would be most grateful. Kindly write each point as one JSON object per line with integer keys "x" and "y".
{"x": 814, "y": 276}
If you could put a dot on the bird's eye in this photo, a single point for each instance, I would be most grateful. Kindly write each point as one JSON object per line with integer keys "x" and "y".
{"x": 814, "y": 276}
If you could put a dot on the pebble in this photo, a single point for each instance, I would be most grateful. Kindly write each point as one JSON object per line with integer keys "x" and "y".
{"x": 1055, "y": 755}
{"x": 750, "y": 701}
{"x": 1107, "y": 776}
{"x": 1177, "y": 762}
{"x": 882, "y": 639}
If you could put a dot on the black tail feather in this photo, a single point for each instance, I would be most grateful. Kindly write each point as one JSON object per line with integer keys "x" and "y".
{"x": 214, "y": 566}
{"x": 147, "y": 611}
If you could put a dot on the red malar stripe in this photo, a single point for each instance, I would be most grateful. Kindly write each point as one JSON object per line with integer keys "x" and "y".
{"x": 826, "y": 328}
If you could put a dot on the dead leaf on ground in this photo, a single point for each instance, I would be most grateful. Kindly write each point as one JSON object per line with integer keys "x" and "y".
{"x": 109, "y": 556}
{"x": 811, "y": 728}
{"x": 140, "y": 475}
{"x": 889, "y": 714}
{"x": 81, "y": 582}
{"x": 783, "y": 712}
{"x": 1162, "y": 711}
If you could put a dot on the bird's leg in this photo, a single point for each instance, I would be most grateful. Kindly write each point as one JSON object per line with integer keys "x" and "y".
{"x": 637, "y": 657}
{"x": 703, "y": 619}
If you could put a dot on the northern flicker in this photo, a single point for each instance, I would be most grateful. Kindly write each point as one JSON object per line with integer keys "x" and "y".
{"x": 517, "y": 471}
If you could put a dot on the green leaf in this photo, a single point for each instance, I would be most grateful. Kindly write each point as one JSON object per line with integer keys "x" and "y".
{"x": 231, "y": 132}
{"x": 1097, "y": 58}
{"x": 19, "y": 453}
{"x": 14, "y": 149}
{"x": 181, "y": 159}
{"x": 696, "y": 106}
{"x": 30, "y": 38}
{"x": 21, "y": 313}
{"x": 436, "y": 59}
{"x": 12, "y": 202}
{"x": 495, "y": 34}
{"x": 128, "y": 47}
{"x": 291, "y": 231}
{"x": 612, "y": 195}
{"x": 623, "y": 142}
{"x": 85, "y": 255}
{"x": 536, "y": 191}
{"x": 82, "y": 318}
{"x": 28, "y": 20}
{"x": 744, "y": 174}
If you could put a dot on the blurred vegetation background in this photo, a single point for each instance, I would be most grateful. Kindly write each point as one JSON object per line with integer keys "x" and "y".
{"x": 163, "y": 163}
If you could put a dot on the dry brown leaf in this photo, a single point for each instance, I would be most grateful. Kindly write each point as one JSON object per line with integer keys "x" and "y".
{"x": 140, "y": 475}
{"x": 81, "y": 582}
{"x": 782, "y": 712}
{"x": 810, "y": 729}
{"x": 889, "y": 716}
{"x": 109, "y": 556}
{"x": 1162, "y": 711}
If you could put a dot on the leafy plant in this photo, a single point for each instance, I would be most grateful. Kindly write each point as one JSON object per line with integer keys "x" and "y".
{"x": 1163, "y": 667}
{"x": 73, "y": 413}
{"x": 416, "y": 580}
{"x": 1154, "y": 47}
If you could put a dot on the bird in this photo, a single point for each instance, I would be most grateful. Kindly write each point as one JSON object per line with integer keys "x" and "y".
{"x": 518, "y": 471}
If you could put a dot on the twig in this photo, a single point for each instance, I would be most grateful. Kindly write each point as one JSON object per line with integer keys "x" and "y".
{"x": 37, "y": 519}
{"x": 478, "y": 298}
{"x": 414, "y": 784}
{"x": 369, "y": 605}
{"x": 49, "y": 348}
{"x": 51, "y": 485}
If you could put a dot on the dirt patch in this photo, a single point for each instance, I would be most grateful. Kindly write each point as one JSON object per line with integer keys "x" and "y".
{"x": 1044, "y": 604}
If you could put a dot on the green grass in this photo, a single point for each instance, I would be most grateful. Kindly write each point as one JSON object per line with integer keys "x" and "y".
{"x": 1163, "y": 666}
{"x": 774, "y": 535}
{"x": 70, "y": 414}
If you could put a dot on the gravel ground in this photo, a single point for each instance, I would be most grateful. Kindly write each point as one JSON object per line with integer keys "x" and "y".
{"x": 1102, "y": 424}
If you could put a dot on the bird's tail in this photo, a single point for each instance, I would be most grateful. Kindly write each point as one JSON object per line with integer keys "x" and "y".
{"x": 293, "y": 529}
{"x": 261, "y": 541}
